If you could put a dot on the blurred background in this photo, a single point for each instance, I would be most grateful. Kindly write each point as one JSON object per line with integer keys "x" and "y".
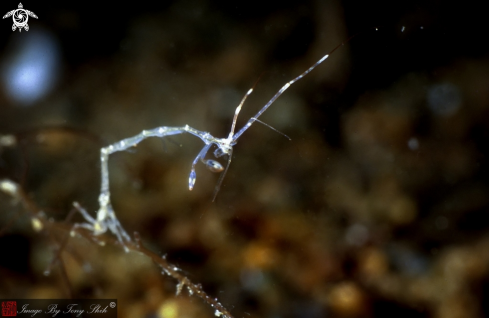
{"x": 376, "y": 207}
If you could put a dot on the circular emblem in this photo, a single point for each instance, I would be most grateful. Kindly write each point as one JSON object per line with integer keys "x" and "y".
{"x": 20, "y": 18}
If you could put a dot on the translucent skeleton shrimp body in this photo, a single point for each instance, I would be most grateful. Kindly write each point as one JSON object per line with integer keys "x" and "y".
{"x": 106, "y": 218}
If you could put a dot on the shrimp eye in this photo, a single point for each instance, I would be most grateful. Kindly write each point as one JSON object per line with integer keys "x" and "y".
{"x": 213, "y": 165}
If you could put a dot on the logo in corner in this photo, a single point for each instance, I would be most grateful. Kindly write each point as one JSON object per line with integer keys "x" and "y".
{"x": 9, "y": 308}
{"x": 20, "y": 17}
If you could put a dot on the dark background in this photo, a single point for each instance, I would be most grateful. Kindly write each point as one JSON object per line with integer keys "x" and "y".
{"x": 376, "y": 207}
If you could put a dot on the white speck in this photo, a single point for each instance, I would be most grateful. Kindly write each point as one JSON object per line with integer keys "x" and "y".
{"x": 9, "y": 187}
{"x": 413, "y": 143}
{"x": 421, "y": 27}
{"x": 403, "y": 28}
{"x": 36, "y": 224}
{"x": 7, "y": 140}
